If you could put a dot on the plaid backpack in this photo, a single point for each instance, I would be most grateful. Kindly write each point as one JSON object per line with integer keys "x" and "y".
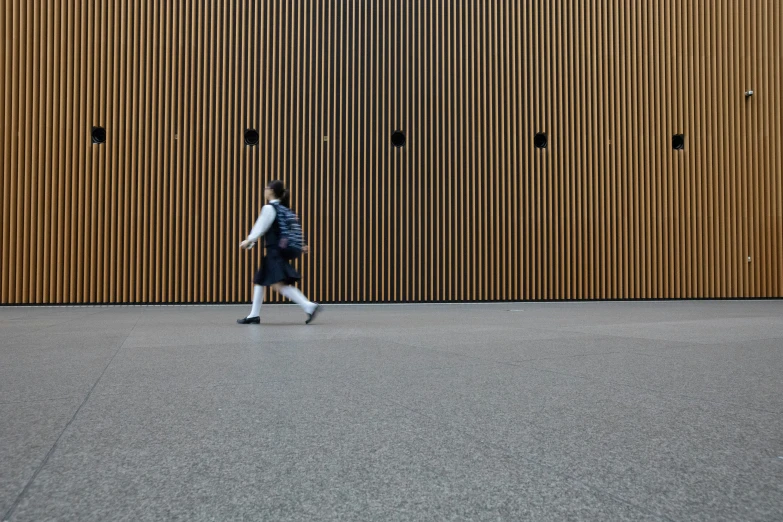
{"x": 291, "y": 238}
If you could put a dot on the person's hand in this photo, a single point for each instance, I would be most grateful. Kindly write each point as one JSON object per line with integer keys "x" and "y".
{"x": 306, "y": 249}
{"x": 247, "y": 244}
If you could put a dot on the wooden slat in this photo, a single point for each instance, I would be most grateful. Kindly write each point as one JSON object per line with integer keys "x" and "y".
{"x": 468, "y": 209}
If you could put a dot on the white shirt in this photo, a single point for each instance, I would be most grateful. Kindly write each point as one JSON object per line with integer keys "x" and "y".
{"x": 264, "y": 221}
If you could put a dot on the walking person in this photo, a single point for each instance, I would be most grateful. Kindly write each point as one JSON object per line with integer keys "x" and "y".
{"x": 276, "y": 271}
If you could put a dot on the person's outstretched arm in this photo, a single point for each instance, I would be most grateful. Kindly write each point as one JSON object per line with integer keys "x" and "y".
{"x": 262, "y": 224}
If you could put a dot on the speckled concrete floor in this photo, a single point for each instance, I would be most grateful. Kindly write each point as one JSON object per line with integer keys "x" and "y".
{"x": 525, "y": 411}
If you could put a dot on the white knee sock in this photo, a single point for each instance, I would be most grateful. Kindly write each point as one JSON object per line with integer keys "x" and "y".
{"x": 293, "y": 293}
{"x": 258, "y": 300}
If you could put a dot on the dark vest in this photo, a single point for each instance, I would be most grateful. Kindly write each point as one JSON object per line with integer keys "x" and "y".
{"x": 272, "y": 236}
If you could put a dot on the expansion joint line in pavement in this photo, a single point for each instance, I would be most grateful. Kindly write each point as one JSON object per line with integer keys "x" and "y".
{"x": 23, "y": 493}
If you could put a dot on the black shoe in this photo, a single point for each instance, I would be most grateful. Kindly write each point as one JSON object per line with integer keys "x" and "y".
{"x": 311, "y": 316}
{"x": 249, "y": 320}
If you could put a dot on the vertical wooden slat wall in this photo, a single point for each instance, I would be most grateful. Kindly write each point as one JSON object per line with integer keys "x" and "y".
{"x": 468, "y": 209}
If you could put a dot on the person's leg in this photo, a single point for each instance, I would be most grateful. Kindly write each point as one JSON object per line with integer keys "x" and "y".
{"x": 258, "y": 300}
{"x": 295, "y": 295}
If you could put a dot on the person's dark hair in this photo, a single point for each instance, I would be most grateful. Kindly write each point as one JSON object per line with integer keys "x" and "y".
{"x": 278, "y": 188}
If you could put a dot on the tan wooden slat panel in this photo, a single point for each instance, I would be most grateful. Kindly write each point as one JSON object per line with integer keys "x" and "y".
{"x": 468, "y": 209}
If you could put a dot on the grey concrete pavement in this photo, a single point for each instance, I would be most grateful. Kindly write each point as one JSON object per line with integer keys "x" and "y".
{"x": 513, "y": 411}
